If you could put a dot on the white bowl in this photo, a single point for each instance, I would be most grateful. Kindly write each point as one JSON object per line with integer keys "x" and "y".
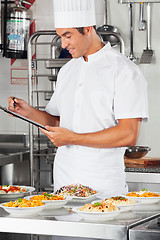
{"x": 128, "y": 207}
{"x": 17, "y": 195}
{"x": 83, "y": 199}
{"x": 145, "y": 200}
{"x": 125, "y": 207}
{"x": 51, "y": 203}
{"x": 22, "y": 211}
{"x": 97, "y": 216}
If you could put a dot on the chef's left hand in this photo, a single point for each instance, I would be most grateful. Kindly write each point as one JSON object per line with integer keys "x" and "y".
{"x": 59, "y": 136}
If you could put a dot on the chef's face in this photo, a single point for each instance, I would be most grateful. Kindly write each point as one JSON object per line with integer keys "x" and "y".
{"x": 76, "y": 43}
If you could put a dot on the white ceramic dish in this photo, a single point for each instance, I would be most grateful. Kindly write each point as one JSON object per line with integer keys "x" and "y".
{"x": 128, "y": 207}
{"x": 145, "y": 200}
{"x": 17, "y": 195}
{"x": 96, "y": 217}
{"x": 22, "y": 211}
{"x": 147, "y": 207}
{"x": 52, "y": 203}
{"x": 83, "y": 199}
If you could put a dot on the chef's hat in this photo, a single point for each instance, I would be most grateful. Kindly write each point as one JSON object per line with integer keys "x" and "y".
{"x": 74, "y": 13}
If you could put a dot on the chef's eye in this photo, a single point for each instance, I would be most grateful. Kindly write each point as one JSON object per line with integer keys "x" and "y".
{"x": 68, "y": 36}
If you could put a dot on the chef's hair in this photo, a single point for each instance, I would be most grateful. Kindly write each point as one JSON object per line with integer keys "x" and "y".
{"x": 81, "y": 29}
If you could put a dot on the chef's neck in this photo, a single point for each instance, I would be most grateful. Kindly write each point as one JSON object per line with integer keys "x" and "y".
{"x": 95, "y": 46}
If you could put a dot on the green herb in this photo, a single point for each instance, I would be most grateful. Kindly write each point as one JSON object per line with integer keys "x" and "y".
{"x": 19, "y": 199}
{"x": 47, "y": 195}
{"x": 118, "y": 198}
{"x": 144, "y": 189}
{"x": 97, "y": 204}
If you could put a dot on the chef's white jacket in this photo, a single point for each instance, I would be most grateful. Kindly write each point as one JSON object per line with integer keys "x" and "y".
{"x": 89, "y": 97}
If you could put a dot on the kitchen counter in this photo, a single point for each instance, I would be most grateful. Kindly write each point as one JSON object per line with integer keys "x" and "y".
{"x": 147, "y": 231}
{"x": 64, "y": 222}
{"x": 141, "y": 168}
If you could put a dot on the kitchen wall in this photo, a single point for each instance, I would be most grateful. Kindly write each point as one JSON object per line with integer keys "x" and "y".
{"x": 117, "y": 16}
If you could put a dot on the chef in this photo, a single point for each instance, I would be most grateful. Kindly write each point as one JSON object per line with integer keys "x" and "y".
{"x": 97, "y": 108}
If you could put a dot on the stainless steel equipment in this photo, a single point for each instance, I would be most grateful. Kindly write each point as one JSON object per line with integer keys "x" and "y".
{"x": 138, "y": 1}
{"x": 131, "y": 55}
{"x": 0, "y": 28}
{"x": 64, "y": 222}
{"x": 142, "y": 22}
{"x": 113, "y": 39}
{"x": 38, "y": 96}
{"x": 148, "y": 52}
{"x": 14, "y": 160}
{"x": 136, "y": 151}
{"x": 147, "y": 231}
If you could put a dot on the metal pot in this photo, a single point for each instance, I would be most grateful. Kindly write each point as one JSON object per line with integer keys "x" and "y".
{"x": 108, "y": 29}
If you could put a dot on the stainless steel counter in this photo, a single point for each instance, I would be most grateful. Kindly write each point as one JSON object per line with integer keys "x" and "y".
{"x": 64, "y": 222}
{"x": 147, "y": 231}
{"x": 15, "y": 168}
{"x": 13, "y": 148}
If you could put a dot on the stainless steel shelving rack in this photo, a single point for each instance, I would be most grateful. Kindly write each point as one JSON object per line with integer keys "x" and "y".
{"x": 138, "y": 1}
{"x": 41, "y": 69}
{"x": 52, "y": 65}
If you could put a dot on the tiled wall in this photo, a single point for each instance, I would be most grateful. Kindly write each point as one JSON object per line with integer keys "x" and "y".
{"x": 117, "y": 16}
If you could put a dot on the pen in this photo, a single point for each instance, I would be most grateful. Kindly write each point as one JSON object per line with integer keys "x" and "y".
{"x": 14, "y": 104}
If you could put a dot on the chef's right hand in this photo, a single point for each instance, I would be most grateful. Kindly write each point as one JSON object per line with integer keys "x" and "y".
{"x": 19, "y": 106}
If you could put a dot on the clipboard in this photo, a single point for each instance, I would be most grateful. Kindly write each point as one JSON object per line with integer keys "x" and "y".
{"x": 23, "y": 118}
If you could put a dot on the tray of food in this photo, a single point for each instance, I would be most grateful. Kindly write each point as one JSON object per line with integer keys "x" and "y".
{"x": 14, "y": 191}
{"x": 78, "y": 192}
{"x": 23, "y": 207}
{"x": 53, "y": 200}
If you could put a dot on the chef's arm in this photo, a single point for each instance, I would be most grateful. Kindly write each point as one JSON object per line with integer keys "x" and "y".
{"x": 123, "y": 134}
{"x": 43, "y": 118}
{"x": 23, "y": 108}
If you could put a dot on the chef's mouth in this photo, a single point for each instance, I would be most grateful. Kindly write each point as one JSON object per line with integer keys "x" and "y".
{"x": 71, "y": 50}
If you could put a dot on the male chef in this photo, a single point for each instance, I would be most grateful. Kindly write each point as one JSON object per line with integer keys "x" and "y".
{"x": 97, "y": 108}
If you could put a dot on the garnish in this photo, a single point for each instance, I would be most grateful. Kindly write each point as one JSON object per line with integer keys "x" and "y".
{"x": 144, "y": 189}
{"x": 97, "y": 204}
{"x": 47, "y": 195}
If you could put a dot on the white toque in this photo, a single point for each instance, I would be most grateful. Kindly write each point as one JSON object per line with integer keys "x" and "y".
{"x": 74, "y": 13}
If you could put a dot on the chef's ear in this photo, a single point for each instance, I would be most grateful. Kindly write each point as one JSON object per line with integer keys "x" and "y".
{"x": 88, "y": 30}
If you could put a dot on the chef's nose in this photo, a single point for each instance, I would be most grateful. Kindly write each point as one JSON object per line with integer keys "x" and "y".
{"x": 64, "y": 43}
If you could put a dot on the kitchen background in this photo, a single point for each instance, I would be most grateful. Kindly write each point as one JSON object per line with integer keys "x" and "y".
{"x": 118, "y": 15}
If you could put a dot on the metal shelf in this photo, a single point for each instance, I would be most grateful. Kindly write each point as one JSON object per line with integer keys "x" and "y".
{"x": 138, "y": 1}
{"x": 36, "y": 66}
{"x": 56, "y": 63}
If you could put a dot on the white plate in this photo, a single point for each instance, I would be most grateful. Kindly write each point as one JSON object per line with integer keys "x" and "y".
{"x": 128, "y": 207}
{"x": 22, "y": 211}
{"x": 101, "y": 216}
{"x": 85, "y": 199}
{"x": 147, "y": 207}
{"x": 52, "y": 203}
{"x": 145, "y": 200}
{"x": 17, "y": 195}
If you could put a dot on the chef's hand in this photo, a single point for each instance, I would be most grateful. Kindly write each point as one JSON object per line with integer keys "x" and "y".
{"x": 19, "y": 106}
{"x": 59, "y": 136}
